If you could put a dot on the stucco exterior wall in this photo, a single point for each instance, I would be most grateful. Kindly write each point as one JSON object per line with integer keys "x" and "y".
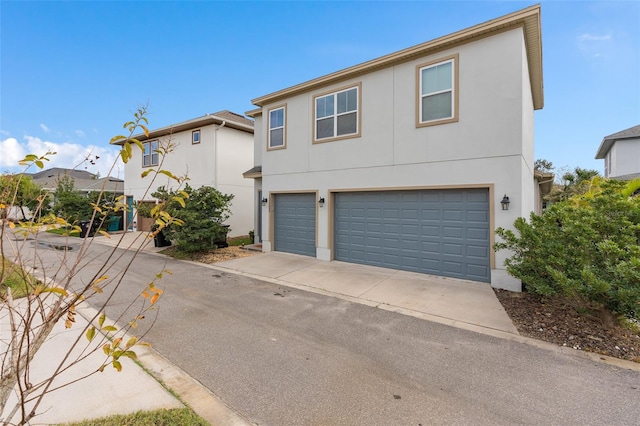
{"x": 490, "y": 146}
{"x": 625, "y": 157}
{"x": 218, "y": 160}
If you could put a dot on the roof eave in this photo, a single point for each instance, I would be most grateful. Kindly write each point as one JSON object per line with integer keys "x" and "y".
{"x": 187, "y": 125}
{"x": 528, "y": 19}
{"x": 605, "y": 146}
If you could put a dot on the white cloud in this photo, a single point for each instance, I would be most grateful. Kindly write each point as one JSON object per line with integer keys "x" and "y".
{"x": 79, "y": 133}
{"x": 68, "y": 155}
{"x": 591, "y": 37}
{"x": 596, "y": 46}
{"x": 44, "y": 127}
{"x": 12, "y": 152}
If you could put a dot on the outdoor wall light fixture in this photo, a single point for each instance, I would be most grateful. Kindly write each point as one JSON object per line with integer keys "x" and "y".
{"x": 321, "y": 201}
{"x": 505, "y": 202}
{"x": 265, "y": 201}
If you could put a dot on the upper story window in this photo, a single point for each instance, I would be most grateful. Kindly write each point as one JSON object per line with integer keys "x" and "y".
{"x": 337, "y": 115}
{"x": 150, "y": 155}
{"x": 437, "y": 92}
{"x": 277, "y": 130}
{"x": 195, "y": 136}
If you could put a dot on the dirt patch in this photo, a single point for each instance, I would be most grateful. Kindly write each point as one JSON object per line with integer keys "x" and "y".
{"x": 556, "y": 321}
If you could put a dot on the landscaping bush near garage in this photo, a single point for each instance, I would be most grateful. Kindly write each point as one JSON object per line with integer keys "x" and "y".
{"x": 585, "y": 249}
{"x": 204, "y": 212}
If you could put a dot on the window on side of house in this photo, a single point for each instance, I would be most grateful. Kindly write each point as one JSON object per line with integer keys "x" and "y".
{"x": 195, "y": 136}
{"x": 337, "y": 115}
{"x": 437, "y": 92}
{"x": 277, "y": 128}
{"x": 150, "y": 155}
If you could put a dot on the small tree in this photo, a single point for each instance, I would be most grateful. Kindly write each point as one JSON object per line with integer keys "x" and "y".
{"x": 586, "y": 249}
{"x": 203, "y": 214}
{"x": 573, "y": 183}
{"x": 70, "y": 204}
{"x": 53, "y": 293}
{"x": 25, "y": 194}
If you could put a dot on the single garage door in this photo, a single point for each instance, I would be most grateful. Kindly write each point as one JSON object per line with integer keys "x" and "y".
{"x": 295, "y": 223}
{"x": 439, "y": 232}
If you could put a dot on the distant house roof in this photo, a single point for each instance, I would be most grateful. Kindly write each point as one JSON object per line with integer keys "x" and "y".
{"x": 528, "y": 19}
{"x": 54, "y": 172}
{"x": 230, "y": 119}
{"x": 608, "y": 141}
{"x": 82, "y": 180}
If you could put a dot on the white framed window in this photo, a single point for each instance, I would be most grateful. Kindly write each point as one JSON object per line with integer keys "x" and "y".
{"x": 437, "y": 95}
{"x": 337, "y": 114}
{"x": 195, "y": 136}
{"x": 277, "y": 137}
{"x": 150, "y": 155}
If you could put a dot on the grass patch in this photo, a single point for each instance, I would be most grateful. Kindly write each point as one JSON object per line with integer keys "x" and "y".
{"x": 238, "y": 241}
{"x": 67, "y": 232}
{"x": 14, "y": 277}
{"x": 164, "y": 417}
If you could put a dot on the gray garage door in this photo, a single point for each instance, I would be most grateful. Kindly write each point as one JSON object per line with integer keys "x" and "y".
{"x": 295, "y": 223}
{"x": 439, "y": 232}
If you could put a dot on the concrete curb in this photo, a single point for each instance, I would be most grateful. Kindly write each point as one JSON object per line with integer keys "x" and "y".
{"x": 190, "y": 392}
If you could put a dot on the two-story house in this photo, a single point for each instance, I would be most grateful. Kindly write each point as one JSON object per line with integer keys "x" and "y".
{"x": 621, "y": 154}
{"x": 409, "y": 161}
{"x": 211, "y": 150}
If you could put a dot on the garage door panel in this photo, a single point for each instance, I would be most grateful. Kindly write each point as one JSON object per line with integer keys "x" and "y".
{"x": 442, "y": 232}
{"x": 295, "y": 223}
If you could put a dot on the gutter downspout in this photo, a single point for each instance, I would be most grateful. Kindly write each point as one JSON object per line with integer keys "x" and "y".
{"x": 215, "y": 155}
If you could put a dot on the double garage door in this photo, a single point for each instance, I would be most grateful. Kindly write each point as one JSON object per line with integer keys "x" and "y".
{"x": 439, "y": 232}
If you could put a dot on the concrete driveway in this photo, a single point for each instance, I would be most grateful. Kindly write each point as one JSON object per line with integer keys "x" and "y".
{"x": 466, "y": 304}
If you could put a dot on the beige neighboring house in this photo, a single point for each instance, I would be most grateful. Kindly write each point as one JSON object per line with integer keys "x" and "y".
{"x": 621, "y": 154}
{"x": 213, "y": 150}
{"x": 409, "y": 161}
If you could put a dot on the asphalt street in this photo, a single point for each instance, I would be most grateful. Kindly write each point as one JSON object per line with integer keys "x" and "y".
{"x": 283, "y": 356}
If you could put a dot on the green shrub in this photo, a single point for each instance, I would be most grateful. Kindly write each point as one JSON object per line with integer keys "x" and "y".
{"x": 203, "y": 214}
{"x": 585, "y": 248}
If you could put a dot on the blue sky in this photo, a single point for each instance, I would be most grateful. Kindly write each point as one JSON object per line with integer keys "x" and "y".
{"x": 72, "y": 72}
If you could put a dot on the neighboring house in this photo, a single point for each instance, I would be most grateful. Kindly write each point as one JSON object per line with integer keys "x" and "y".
{"x": 621, "y": 154}
{"x": 544, "y": 185}
{"x": 403, "y": 161}
{"x": 213, "y": 150}
{"x": 83, "y": 180}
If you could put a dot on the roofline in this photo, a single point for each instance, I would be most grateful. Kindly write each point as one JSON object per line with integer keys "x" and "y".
{"x": 608, "y": 141}
{"x": 254, "y": 113}
{"x": 528, "y": 19}
{"x": 187, "y": 125}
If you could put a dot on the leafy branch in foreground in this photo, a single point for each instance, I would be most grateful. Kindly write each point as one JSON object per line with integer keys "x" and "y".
{"x": 55, "y": 284}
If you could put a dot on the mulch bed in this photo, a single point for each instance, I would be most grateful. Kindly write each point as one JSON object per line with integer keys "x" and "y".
{"x": 557, "y": 321}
